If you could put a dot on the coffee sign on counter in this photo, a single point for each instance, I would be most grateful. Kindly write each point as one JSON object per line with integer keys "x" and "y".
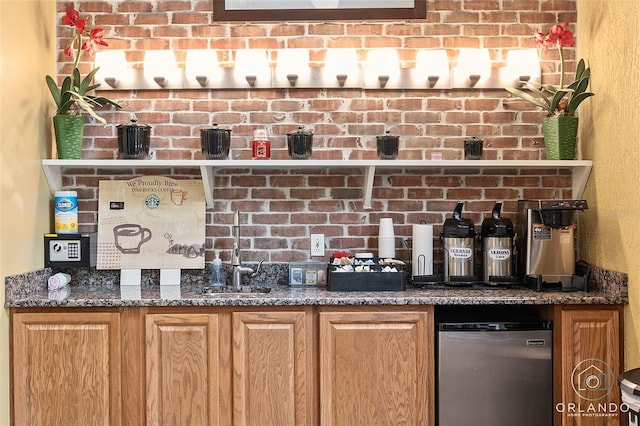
{"x": 151, "y": 222}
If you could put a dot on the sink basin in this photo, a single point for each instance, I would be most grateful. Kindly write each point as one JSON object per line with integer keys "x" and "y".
{"x": 226, "y": 290}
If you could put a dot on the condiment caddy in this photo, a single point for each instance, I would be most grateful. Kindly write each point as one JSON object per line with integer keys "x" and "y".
{"x": 346, "y": 273}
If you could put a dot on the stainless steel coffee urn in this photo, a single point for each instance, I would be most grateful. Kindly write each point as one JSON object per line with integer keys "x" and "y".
{"x": 497, "y": 236}
{"x": 547, "y": 244}
{"x": 458, "y": 237}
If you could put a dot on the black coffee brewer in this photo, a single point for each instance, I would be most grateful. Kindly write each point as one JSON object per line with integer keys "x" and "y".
{"x": 458, "y": 238}
{"x": 497, "y": 237}
{"x": 547, "y": 244}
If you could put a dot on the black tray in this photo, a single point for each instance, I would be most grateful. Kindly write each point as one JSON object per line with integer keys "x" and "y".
{"x": 366, "y": 281}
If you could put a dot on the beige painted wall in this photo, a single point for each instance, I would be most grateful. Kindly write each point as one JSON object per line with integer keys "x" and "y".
{"x": 27, "y": 38}
{"x": 610, "y": 125}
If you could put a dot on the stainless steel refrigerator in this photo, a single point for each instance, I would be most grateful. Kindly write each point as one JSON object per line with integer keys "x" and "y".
{"x": 494, "y": 373}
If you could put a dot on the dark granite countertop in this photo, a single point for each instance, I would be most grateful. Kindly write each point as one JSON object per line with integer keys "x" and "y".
{"x": 90, "y": 288}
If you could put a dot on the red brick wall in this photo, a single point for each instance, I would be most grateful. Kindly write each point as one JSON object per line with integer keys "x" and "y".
{"x": 282, "y": 208}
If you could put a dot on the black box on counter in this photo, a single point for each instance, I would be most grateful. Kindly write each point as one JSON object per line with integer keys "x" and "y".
{"x": 70, "y": 250}
{"x": 366, "y": 281}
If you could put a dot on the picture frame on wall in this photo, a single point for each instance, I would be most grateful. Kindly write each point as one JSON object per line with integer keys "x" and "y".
{"x": 305, "y": 10}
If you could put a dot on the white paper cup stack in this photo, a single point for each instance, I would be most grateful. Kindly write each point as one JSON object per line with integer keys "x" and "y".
{"x": 386, "y": 239}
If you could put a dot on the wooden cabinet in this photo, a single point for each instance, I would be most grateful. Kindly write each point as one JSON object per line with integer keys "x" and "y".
{"x": 376, "y": 367}
{"x": 588, "y": 342}
{"x": 272, "y": 368}
{"x": 187, "y": 365}
{"x": 66, "y": 368}
{"x": 240, "y": 368}
{"x": 329, "y": 366}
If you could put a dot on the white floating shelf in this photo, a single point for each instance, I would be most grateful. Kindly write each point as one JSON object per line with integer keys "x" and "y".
{"x": 580, "y": 168}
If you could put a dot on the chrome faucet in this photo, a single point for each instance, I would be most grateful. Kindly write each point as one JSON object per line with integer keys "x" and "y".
{"x": 238, "y": 269}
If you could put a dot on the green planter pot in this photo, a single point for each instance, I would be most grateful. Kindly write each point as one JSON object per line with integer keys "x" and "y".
{"x": 69, "y": 130}
{"x": 560, "y": 137}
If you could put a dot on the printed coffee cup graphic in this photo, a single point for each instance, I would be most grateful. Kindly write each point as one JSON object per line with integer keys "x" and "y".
{"x": 178, "y": 196}
{"x": 129, "y": 237}
{"x": 592, "y": 379}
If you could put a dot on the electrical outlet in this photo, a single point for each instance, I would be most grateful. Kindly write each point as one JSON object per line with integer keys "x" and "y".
{"x": 317, "y": 244}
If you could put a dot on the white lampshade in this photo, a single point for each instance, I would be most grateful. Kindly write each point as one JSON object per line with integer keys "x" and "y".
{"x": 202, "y": 65}
{"x": 160, "y": 66}
{"x": 475, "y": 62}
{"x": 382, "y": 65}
{"x": 432, "y": 64}
{"x": 112, "y": 66}
{"x": 251, "y": 65}
{"x": 523, "y": 64}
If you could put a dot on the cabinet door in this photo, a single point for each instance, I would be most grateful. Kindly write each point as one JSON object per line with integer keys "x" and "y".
{"x": 186, "y": 363}
{"x": 590, "y": 363}
{"x": 66, "y": 369}
{"x": 272, "y": 376}
{"x": 374, "y": 368}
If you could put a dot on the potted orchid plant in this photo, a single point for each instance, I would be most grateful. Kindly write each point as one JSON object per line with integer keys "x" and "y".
{"x": 72, "y": 96}
{"x": 560, "y": 102}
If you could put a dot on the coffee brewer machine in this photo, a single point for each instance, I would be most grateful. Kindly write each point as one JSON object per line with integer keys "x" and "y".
{"x": 547, "y": 244}
{"x": 458, "y": 237}
{"x": 497, "y": 237}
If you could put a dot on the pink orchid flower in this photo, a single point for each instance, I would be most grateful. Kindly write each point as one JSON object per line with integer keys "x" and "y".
{"x": 560, "y": 35}
{"x": 78, "y": 44}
